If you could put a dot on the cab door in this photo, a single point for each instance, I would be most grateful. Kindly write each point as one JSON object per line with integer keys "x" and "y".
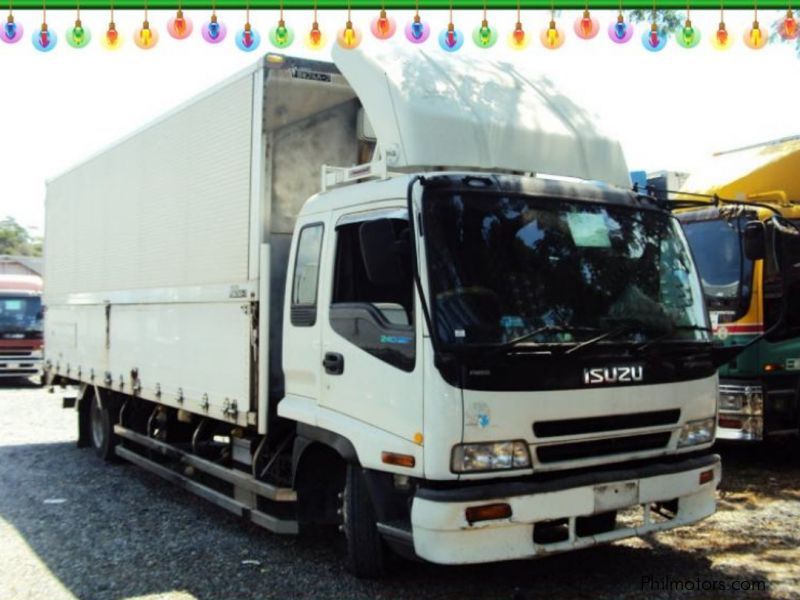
{"x": 302, "y": 336}
{"x": 372, "y": 367}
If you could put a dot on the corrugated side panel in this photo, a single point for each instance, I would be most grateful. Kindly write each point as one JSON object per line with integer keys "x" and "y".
{"x": 167, "y": 207}
{"x": 147, "y": 249}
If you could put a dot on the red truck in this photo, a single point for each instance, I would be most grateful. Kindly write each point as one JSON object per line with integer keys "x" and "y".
{"x": 21, "y": 326}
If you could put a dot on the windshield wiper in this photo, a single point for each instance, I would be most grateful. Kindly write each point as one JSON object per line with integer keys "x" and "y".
{"x": 672, "y": 332}
{"x": 601, "y": 337}
{"x": 634, "y": 326}
{"x": 513, "y": 343}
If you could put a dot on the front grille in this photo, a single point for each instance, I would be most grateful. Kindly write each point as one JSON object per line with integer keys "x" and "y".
{"x": 544, "y": 429}
{"x": 594, "y": 448}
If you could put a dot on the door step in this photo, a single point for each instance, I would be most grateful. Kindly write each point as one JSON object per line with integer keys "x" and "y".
{"x": 241, "y": 482}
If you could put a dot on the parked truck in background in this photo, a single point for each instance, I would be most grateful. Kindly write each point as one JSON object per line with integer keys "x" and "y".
{"x": 760, "y": 388}
{"x": 439, "y": 350}
{"x": 21, "y": 326}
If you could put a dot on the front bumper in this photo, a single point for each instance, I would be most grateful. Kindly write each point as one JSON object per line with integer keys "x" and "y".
{"x": 20, "y": 366}
{"x": 442, "y": 534}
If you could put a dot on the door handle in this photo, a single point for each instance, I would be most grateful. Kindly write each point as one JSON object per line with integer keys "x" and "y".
{"x": 333, "y": 363}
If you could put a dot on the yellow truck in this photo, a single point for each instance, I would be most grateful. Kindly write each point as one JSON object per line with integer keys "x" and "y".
{"x": 760, "y": 388}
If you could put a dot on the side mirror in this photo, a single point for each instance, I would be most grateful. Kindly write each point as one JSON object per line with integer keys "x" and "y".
{"x": 787, "y": 236}
{"x": 754, "y": 239}
{"x": 782, "y": 277}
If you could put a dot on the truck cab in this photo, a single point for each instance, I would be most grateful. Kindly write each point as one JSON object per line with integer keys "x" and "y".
{"x": 759, "y": 388}
{"x": 21, "y": 326}
{"x": 517, "y": 361}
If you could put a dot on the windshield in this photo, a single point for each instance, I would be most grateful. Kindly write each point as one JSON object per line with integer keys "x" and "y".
{"x": 20, "y": 314}
{"x": 506, "y": 267}
{"x": 724, "y": 271}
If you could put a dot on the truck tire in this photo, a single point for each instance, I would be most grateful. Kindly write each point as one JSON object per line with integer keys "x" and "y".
{"x": 365, "y": 547}
{"x": 101, "y": 428}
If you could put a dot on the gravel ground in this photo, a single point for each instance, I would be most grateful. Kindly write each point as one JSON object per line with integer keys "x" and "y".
{"x": 74, "y": 527}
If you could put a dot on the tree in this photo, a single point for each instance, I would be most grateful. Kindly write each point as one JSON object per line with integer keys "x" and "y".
{"x": 667, "y": 20}
{"x": 16, "y": 240}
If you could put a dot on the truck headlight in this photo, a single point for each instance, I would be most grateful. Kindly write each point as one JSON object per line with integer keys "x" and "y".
{"x": 491, "y": 456}
{"x": 697, "y": 432}
{"x": 741, "y": 399}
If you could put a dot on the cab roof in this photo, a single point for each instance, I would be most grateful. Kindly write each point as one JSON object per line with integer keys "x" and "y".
{"x": 361, "y": 196}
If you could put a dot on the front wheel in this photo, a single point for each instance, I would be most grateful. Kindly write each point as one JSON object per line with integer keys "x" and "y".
{"x": 101, "y": 424}
{"x": 366, "y": 554}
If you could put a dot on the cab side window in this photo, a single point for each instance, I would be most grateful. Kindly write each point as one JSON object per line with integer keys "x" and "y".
{"x": 373, "y": 302}
{"x": 305, "y": 279}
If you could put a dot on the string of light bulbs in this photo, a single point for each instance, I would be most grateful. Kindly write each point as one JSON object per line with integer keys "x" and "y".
{"x": 417, "y": 31}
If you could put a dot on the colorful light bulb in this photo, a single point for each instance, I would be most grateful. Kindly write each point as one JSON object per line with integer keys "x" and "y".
{"x": 349, "y": 37}
{"x": 688, "y": 37}
{"x": 315, "y": 39}
{"x": 788, "y": 29}
{"x": 552, "y": 37}
{"x": 12, "y": 31}
{"x": 282, "y": 36}
{"x": 111, "y": 39}
{"x": 619, "y": 31}
{"x": 78, "y": 36}
{"x": 145, "y": 37}
{"x": 755, "y": 37}
{"x": 586, "y": 27}
{"x": 654, "y": 40}
{"x": 451, "y": 39}
{"x": 484, "y": 36}
{"x": 722, "y": 39}
{"x": 43, "y": 39}
{"x": 383, "y": 27}
{"x": 248, "y": 38}
{"x": 417, "y": 31}
{"x": 518, "y": 40}
{"x": 214, "y": 32}
{"x": 180, "y": 27}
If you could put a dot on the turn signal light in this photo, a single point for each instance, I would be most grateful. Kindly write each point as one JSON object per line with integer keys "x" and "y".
{"x": 730, "y": 423}
{"x": 771, "y": 367}
{"x": 488, "y": 512}
{"x": 400, "y": 460}
{"x": 706, "y": 476}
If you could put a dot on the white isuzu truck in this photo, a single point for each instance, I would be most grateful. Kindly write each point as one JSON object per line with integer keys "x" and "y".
{"x": 440, "y": 350}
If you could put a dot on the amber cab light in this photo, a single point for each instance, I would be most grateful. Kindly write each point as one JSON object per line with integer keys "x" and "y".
{"x": 488, "y": 512}
{"x": 399, "y": 460}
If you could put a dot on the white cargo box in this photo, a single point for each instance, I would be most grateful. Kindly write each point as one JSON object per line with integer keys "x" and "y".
{"x": 154, "y": 246}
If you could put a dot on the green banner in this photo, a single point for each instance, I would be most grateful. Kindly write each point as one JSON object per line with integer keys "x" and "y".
{"x": 402, "y": 4}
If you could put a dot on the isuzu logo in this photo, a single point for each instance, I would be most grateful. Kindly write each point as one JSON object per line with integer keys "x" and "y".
{"x": 622, "y": 374}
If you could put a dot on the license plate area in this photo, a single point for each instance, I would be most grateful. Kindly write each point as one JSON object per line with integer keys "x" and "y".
{"x": 612, "y": 496}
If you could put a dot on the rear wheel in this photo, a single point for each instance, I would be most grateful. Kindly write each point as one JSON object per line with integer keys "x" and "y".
{"x": 366, "y": 553}
{"x": 101, "y": 427}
